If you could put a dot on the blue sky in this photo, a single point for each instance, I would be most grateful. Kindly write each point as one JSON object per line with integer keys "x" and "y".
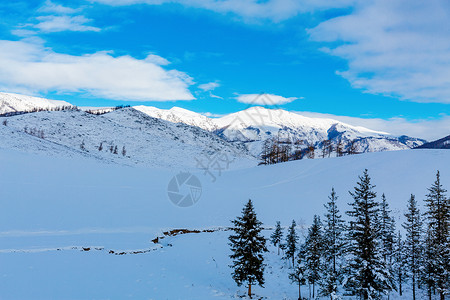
{"x": 370, "y": 62}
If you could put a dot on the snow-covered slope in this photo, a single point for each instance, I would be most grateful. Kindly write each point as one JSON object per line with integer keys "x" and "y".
{"x": 15, "y": 102}
{"x": 443, "y": 143}
{"x": 179, "y": 115}
{"x": 50, "y": 203}
{"x": 257, "y": 124}
{"x": 148, "y": 141}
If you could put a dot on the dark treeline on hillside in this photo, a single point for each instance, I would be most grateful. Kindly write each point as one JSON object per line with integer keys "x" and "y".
{"x": 64, "y": 108}
{"x": 365, "y": 257}
{"x": 276, "y": 150}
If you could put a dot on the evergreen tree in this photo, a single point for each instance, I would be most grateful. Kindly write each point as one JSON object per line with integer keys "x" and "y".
{"x": 438, "y": 221}
{"x": 427, "y": 269}
{"x": 368, "y": 276}
{"x": 277, "y": 236}
{"x": 313, "y": 252}
{"x": 291, "y": 243}
{"x": 387, "y": 231}
{"x": 298, "y": 275}
{"x": 399, "y": 263}
{"x": 333, "y": 247}
{"x": 247, "y": 246}
{"x": 413, "y": 249}
{"x": 387, "y": 234}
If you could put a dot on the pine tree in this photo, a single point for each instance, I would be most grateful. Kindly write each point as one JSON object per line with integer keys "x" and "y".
{"x": 277, "y": 236}
{"x": 387, "y": 234}
{"x": 313, "y": 252}
{"x": 399, "y": 262}
{"x": 413, "y": 249}
{"x": 248, "y": 245}
{"x": 427, "y": 269}
{"x": 333, "y": 247}
{"x": 291, "y": 243}
{"x": 367, "y": 276}
{"x": 298, "y": 275}
{"x": 438, "y": 217}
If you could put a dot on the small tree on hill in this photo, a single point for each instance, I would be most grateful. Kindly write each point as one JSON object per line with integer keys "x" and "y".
{"x": 277, "y": 236}
{"x": 247, "y": 246}
{"x": 298, "y": 275}
{"x": 291, "y": 243}
{"x": 368, "y": 276}
{"x": 313, "y": 252}
{"x": 413, "y": 247}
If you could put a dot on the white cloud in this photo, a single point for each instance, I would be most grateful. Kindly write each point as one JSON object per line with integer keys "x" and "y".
{"x": 397, "y": 48}
{"x": 264, "y": 99}
{"x": 50, "y": 7}
{"x": 275, "y": 10}
{"x": 210, "y": 86}
{"x": 64, "y": 23}
{"x": 29, "y": 66}
{"x": 425, "y": 129}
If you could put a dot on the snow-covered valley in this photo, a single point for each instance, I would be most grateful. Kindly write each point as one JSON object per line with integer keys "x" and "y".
{"x": 52, "y": 204}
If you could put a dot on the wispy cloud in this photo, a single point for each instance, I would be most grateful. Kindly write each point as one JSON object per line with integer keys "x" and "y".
{"x": 397, "y": 48}
{"x": 64, "y": 23}
{"x": 28, "y": 65}
{"x": 55, "y": 18}
{"x": 425, "y": 129}
{"x": 210, "y": 86}
{"x": 274, "y": 10}
{"x": 51, "y": 7}
{"x": 264, "y": 99}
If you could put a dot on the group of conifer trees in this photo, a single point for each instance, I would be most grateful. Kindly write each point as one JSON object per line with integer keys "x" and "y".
{"x": 364, "y": 256}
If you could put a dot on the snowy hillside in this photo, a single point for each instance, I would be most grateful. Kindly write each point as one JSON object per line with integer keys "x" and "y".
{"x": 15, "y": 102}
{"x": 85, "y": 222}
{"x": 179, "y": 115}
{"x": 125, "y": 136}
{"x": 257, "y": 124}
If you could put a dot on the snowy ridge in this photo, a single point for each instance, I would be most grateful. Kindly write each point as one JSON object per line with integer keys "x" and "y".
{"x": 14, "y": 102}
{"x": 147, "y": 141}
{"x": 179, "y": 115}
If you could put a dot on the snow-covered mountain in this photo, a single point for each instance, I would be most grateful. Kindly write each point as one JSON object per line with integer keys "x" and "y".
{"x": 236, "y": 132}
{"x": 257, "y": 124}
{"x": 147, "y": 141}
{"x": 179, "y": 115}
{"x": 443, "y": 143}
{"x": 10, "y": 103}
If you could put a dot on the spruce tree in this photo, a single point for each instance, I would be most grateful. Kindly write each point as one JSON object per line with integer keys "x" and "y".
{"x": 427, "y": 268}
{"x": 247, "y": 246}
{"x": 291, "y": 243}
{"x": 277, "y": 236}
{"x": 399, "y": 262}
{"x": 438, "y": 222}
{"x": 313, "y": 252}
{"x": 333, "y": 247}
{"x": 387, "y": 234}
{"x": 413, "y": 249}
{"x": 368, "y": 276}
{"x": 387, "y": 231}
{"x": 298, "y": 275}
